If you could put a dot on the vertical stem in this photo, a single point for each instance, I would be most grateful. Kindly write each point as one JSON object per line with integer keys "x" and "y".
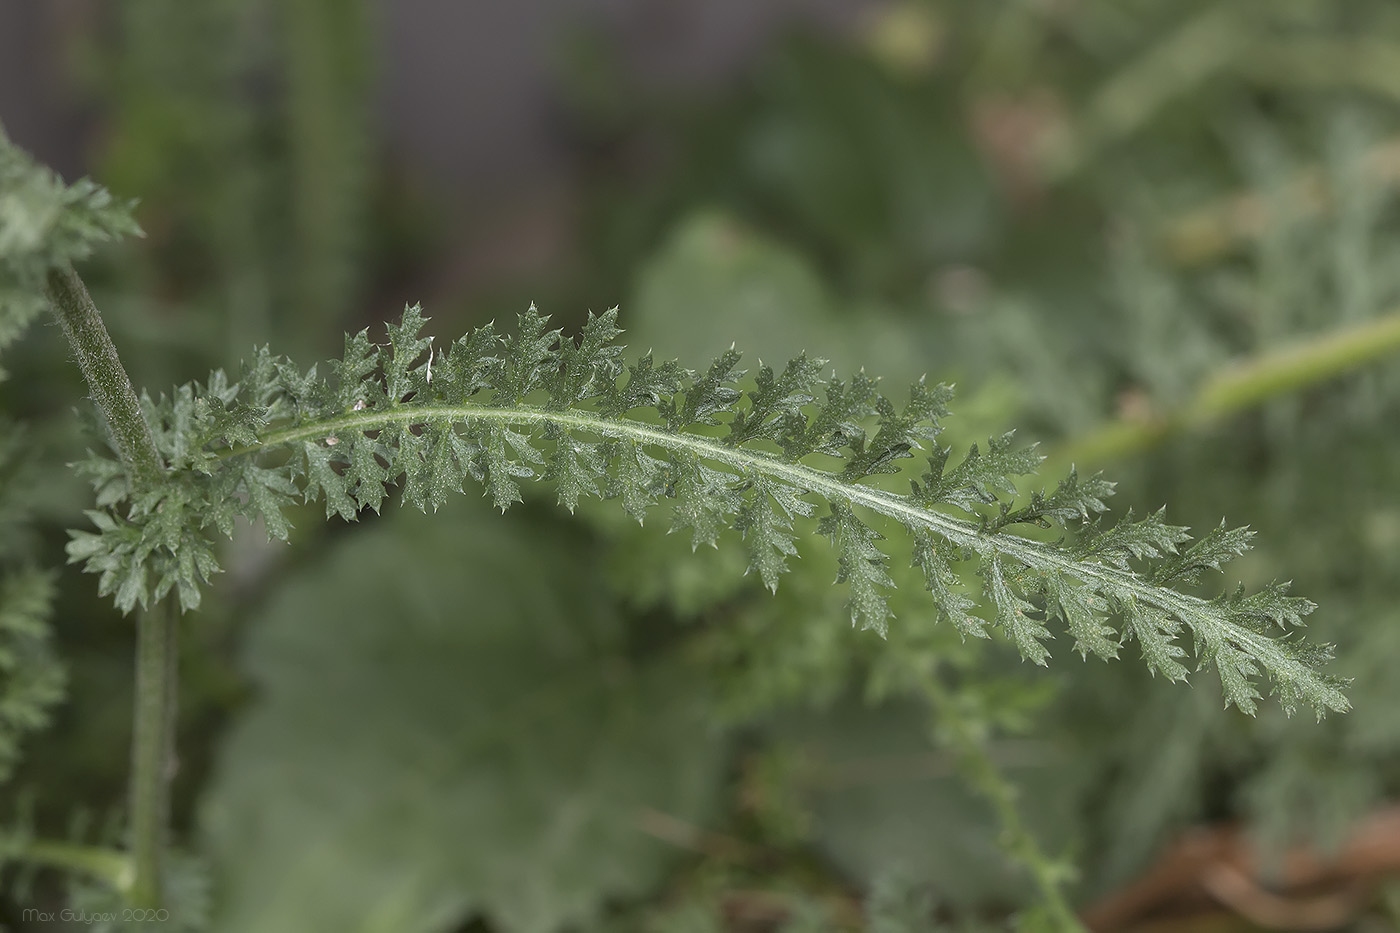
{"x": 153, "y": 730}
{"x": 152, "y": 749}
{"x": 986, "y": 779}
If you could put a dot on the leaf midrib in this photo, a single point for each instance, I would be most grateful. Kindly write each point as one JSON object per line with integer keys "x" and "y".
{"x": 1193, "y": 610}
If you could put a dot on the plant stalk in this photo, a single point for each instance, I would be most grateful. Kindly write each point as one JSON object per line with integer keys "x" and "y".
{"x": 152, "y": 749}
{"x": 106, "y": 378}
{"x": 986, "y": 779}
{"x": 110, "y": 866}
{"x": 1213, "y": 230}
{"x": 153, "y": 730}
{"x": 1240, "y": 387}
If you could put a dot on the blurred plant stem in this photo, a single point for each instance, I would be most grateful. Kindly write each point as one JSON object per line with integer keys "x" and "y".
{"x": 152, "y": 749}
{"x": 1202, "y": 46}
{"x": 110, "y": 866}
{"x": 1211, "y": 231}
{"x": 152, "y": 742}
{"x": 1365, "y": 63}
{"x": 1212, "y": 42}
{"x": 953, "y": 728}
{"x": 1243, "y": 385}
{"x": 329, "y": 83}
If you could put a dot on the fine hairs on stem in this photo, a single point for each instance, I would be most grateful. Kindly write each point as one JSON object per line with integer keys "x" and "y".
{"x": 153, "y": 737}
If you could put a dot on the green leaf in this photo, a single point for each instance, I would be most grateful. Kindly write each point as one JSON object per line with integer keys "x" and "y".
{"x": 353, "y": 372}
{"x": 1084, "y": 614}
{"x": 837, "y": 423}
{"x": 527, "y": 358}
{"x": 365, "y": 469}
{"x": 776, "y": 403}
{"x": 934, "y": 557}
{"x": 768, "y": 530}
{"x": 441, "y": 730}
{"x": 644, "y": 387}
{"x": 590, "y": 364}
{"x": 405, "y": 370}
{"x": 978, "y": 478}
{"x": 1218, "y": 546}
{"x": 1151, "y": 537}
{"x": 1155, "y": 632}
{"x": 1014, "y": 615}
{"x": 634, "y": 477}
{"x": 269, "y": 492}
{"x": 710, "y": 393}
{"x": 32, "y": 681}
{"x": 45, "y": 224}
{"x": 323, "y": 480}
{"x": 705, "y": 499}
{"x": 901, "y": 431}
{"x": 575, "y": 467}
{"x": 1072, "y": 499}
{"x": 862, "y": 566}
{"x": 502, "y": 447}
{"x": 495, "y": 399}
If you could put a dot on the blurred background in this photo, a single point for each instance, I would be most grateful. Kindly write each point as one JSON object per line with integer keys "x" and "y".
{"x": 1094, "y": 216}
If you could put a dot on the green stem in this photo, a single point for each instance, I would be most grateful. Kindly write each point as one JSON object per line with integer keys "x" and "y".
{"x": 1242, "y": 386}
{"x": 1201, "y": 47}
{"x": 110, "y": 866}
{"x": 152, "y": 749}
{"x": 153, "y": 729}
{"x": 106, "y": 378}
{"x": 1367, "y": 64}
{"x": 1215, "y": 229}
{"x": 987, "y": 780}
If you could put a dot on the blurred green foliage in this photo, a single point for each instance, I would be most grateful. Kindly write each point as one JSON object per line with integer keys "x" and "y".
{"x": 1079, "y": 212}
{"x": 497, "y": 751}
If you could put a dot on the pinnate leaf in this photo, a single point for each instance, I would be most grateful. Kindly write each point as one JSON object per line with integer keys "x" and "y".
{"x": 539, "y": 405}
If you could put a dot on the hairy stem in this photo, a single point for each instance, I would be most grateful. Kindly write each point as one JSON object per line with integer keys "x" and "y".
{"x": 1242, "y": 386}
{"x": 154, "y": 720}
{"x": 106, "y": 378}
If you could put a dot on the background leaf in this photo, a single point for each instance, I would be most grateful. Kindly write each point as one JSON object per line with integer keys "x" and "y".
{"x": 452, "y": 728}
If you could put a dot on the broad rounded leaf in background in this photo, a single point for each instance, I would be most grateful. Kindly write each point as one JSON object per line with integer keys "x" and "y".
{"x": 447, "y": 724}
